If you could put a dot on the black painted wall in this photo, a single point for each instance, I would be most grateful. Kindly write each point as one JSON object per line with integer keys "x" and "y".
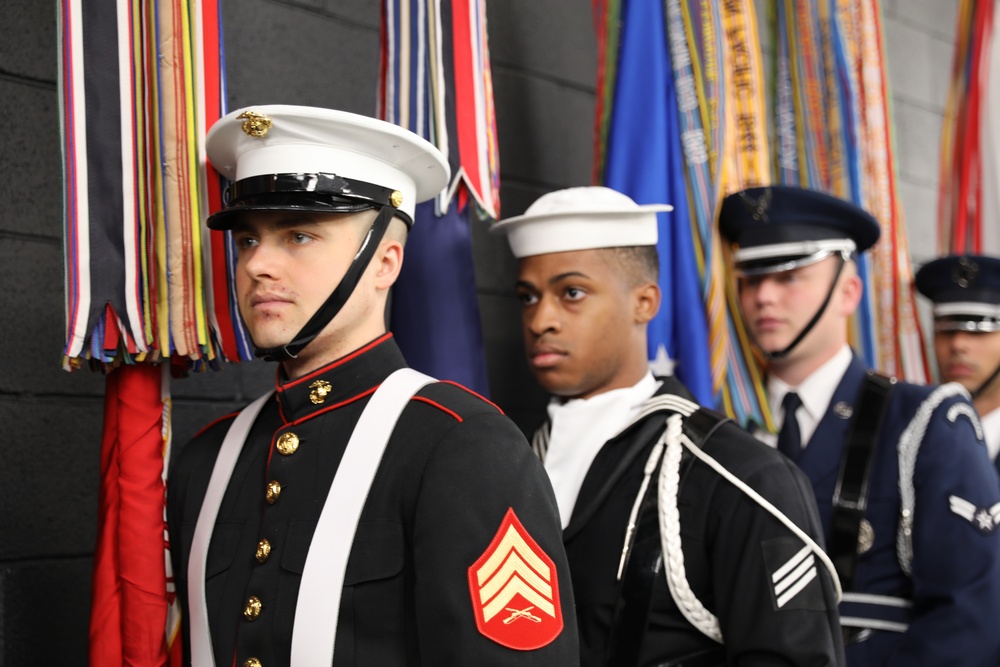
{"x": 315, "y": 52}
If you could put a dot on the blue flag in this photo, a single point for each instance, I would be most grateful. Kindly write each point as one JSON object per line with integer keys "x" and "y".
{"x": 645, "y": 161}
{"x": 435, "y": 313}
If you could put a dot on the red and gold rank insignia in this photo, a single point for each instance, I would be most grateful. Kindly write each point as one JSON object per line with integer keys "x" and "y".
{"x": 515, "y": 590}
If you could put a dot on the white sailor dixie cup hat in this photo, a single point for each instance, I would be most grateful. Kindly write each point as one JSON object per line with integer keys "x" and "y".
{"x": 581, "y": 218}
{"x": 283, "y": 157}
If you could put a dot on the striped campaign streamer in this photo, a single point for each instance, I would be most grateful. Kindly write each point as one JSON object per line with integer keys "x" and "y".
{"x": 714, "y": 110}
{"x": 834, "y": 131}
{"x": 435, "y": 81}
{"x": 969, "y": 181}
{"x": 139, "y": 82}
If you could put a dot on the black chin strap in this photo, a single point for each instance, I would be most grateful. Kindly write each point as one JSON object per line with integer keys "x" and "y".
{"x": 338, "y": 297}
{"x": 781, "y": 354}
{"x": 981, "y": 388}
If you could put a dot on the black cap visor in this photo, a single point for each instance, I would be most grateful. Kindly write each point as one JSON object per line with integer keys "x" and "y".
{"x": 313, "y": 193}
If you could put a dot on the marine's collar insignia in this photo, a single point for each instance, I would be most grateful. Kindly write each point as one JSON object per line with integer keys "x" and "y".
{"x": 256, "y": 124}
{"x": 983, "y": 519}
{"x": 965, "y": 273}
{"x": 515, "y": 590}
{"x": 319, "y": 390}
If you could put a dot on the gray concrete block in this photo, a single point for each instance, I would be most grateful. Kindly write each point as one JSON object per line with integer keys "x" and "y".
{"x": 28, "y": 40}
{"x": 545, "y": 130}
{"x": 920, "y": 208}
{"x": 496, "y": 268}
{"x": 554, "y": 39}
{"x": 280, "y": 54}
{"x": 234, "y": 382}
{"x": 918, "y": 142}
{"x": 32, "y": 276}
{"x": 191, "y": 416}
{"x": 45, "y": 612}
{"x": 919, "y": 65}
{"x": 49, "y": 473}
{"x": 30, "y": 159}
{"x": 934, "y": 18}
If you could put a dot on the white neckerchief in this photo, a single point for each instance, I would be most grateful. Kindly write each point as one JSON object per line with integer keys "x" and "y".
{"x": 816, "y": 393}
{"x": 580, "y": 427}
{"x": 991, "y": 431}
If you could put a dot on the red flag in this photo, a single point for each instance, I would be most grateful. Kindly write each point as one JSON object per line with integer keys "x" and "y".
{"x": 128, "y": 561}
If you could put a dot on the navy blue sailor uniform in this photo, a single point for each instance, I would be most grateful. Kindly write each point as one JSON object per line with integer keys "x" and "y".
{"x": 926, "y": 588}
{"x": 456, "y": 486}
{"x": 750, "y": 578}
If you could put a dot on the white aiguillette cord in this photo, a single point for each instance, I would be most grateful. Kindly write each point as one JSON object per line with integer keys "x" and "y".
{"x": 318, "y": 606}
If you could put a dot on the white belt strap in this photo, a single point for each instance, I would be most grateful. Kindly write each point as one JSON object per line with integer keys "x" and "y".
{"x": 316, "y": 612}
{"x": 201, "y": 639}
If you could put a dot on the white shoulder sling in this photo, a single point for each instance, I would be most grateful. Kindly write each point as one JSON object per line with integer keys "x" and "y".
{"x": 318, "y": 606}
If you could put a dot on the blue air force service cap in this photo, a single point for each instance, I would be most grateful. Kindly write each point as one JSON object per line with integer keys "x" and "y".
{"x": 783, "y": 227}
{"x": 584, "y": 218}
{"x": 965, "y": 290}
{"x": 283, "y": 157}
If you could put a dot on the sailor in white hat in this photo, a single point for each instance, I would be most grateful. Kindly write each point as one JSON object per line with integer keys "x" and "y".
{"x": 360, "y": 513}
{"x": 689, "y": 542}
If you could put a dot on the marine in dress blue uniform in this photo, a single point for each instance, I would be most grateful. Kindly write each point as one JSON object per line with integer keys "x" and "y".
{"x": 965, "y": 291}
{"x": 674, "y": 560}
{"x": 455, "y": 557}
{"x": 919, "y": 547}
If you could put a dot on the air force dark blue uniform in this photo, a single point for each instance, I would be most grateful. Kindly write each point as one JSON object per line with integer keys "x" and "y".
{"x": 948, "y": 604}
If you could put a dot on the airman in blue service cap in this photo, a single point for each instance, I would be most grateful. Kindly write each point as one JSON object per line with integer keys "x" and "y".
{"x": 782, "y": 227}
{"x": 965, "y": 291}
{"x": 898, "y": 469}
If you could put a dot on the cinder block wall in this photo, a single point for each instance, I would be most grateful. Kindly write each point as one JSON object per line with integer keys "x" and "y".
{"x": 325, "y": 53}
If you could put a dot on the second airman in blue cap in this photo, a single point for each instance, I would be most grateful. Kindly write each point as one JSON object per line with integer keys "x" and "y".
{"x": 965, "y": 290}
{"x": 905, "y": 491}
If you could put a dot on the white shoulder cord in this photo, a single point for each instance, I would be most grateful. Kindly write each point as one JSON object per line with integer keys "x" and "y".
{"x": 692, "y": 608}
{"x": 908, "y": 448}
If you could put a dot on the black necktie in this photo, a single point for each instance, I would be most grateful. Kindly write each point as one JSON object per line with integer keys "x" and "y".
{"x": 790, "y": 439}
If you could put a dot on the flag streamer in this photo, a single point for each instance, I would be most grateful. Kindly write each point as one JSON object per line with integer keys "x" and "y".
{"x": 435, "y": 81}
{"x": 969, "y": 180}
{"x": 832, "y": 131}
{"x": 140, "y": 82}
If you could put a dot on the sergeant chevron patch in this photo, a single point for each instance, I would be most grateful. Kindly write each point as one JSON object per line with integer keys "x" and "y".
{"x": 985, "y": 520}
{"x": 792, "y": 574}
{"x": 515, "y": 590}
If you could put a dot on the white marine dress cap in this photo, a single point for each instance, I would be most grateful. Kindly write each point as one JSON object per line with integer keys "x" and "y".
{"x": 312, "y": 159}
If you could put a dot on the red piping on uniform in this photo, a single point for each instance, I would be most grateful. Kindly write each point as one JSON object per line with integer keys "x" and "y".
{"x": 343, "y": 360}
{"x": 438, "y": 406}
{"x": 214, "y": 422}
{"x": 481, "y": 398}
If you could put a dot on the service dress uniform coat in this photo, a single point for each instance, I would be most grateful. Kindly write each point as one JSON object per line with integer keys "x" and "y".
{"x": 946, "y": 609}
{"x": 732, "y": 551}
{"x": 453, "y": 470}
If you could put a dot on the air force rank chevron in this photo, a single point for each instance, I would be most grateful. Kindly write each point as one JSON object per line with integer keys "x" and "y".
{"x": 984, "y": 519}
{"x": 515, "y": 590}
